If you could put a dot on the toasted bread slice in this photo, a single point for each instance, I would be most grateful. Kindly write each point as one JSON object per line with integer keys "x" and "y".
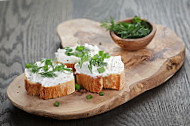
{"x": 95, "y": 84}
{"x": 49, "y": 92}
{"x": 114, "y": 81}
{"x": 112, "y": 77}
{"x": 33, "y": 89}
{"x": 58, "y": 90}
{"x": 71, "y": 60}
{"x": 90, "y": 83}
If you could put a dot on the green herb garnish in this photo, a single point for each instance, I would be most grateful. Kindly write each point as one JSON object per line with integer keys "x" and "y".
{"x": 77, "y": 86}
{"x": 136, "y": 29}
{"x": 56, "y": 104}
{"x": 80, "y": 51}
{"x": 85, "y": 57}
{"x": 101, "y": 93}
{"x": 48, "y": 74}
{"x": 89, "y": 96}
{"x": 101, "y": 69}
{"x": 98, "y": 60}
{"x": 28, "y": 65}
{"x": 80, "y": 48}
{"x": 48, "y": 64}
{"x": 61, "y": 68}
{"x": 33, "y": 66}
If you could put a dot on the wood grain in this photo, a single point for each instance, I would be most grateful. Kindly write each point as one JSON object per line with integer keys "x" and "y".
{"x": 166, "y": 55}
{"x": 27, "y": 33}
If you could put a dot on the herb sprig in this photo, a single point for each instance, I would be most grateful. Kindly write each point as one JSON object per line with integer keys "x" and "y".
{"x": 98, "y": 60}
{"x": 81, "y": 52}
{"x": 136, "y": 29}
{"x": 48, "y": 64}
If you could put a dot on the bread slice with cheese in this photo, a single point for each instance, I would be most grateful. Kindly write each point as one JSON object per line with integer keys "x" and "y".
{"x": 48, "y": 80}
{"x": 72, "y": 55}
{"x": 112, "y": 76}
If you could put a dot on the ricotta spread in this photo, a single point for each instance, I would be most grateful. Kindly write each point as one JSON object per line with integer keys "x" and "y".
{"x": 63, "y": 58}
{"x": 62, "y": 76}
{"x": 114, "y": 66}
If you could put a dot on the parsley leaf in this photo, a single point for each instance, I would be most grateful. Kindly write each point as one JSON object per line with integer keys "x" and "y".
{"x": 101, "y": 69}
{"x": 35, "y": 68}
{"x": 78, "y": 51}
{"x": 80, "y": 48}
{"x": 48, "y": 74}
{"x": 28, "y": 65}
{"x": 48, "y": 62}
{"x": 46, "y": 68}
{"x": 84, "y": 58}
{"x": 98, "y": 60}
{"x": 62, "y": 67}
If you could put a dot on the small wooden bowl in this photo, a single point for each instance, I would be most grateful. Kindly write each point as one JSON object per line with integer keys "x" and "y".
{"x": 134, "y": 44}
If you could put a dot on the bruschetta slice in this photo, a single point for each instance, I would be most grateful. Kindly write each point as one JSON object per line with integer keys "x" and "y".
{"x": 72, "y": 55}
{"x": 101, "y": 71}
{"x": 48, "y": 80}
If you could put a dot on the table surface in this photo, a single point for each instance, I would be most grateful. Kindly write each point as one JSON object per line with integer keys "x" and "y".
{"x": 28, "y": 33}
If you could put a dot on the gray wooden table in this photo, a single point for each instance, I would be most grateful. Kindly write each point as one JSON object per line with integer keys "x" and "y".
{"x": 28, "y": 33}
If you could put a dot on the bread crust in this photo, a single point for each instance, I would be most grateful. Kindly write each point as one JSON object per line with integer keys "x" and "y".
{"x": 70, "y": 65}
{"x": 90, "y": 83}
{"x": 95, "y": 84}
{"x": 62, "y": 89}
{"x": 33, "y": 89}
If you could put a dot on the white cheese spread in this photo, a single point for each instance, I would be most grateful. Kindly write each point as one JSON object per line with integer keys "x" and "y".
{"x": 63, "y": 58}
{"x": 63, "y": 76}
{"x": 114, "y": 66}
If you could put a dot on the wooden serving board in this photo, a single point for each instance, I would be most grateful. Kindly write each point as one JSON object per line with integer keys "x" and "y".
{"x": 144, "y": 70}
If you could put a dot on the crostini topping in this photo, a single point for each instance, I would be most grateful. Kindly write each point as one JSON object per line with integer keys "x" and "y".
{"x": 111, "y": 65}
{"x": 47, "y": 68}
{"x": 98, "y": 60}
{"x": 74, "y": 54}
{"x": 78, "y": 52}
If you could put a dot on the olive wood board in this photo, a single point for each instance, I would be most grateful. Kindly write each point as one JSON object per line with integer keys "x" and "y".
{"x": 144, "y": 69}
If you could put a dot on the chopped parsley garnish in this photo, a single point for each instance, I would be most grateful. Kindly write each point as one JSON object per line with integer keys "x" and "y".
{"x": 33, "y": 66}
{"x": 77, "y": 86}
{"x": 85, "y": 57}
{"x": 136, "y": 29}
{"x": 83, "y": 53}
{"x": 98, "y": 60}
{"x": 101, "y": 93}
{"x": 56, "y": 104}
{"x": 48, "y": 64}
{"x": 78, "y": 51}
{"x": 89, "y": 96}
{"x": 101, "y": 69}
{"x": 80, "y": 48}
{"x": 48, "y": 74}
{"x": 62, "y": 68}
